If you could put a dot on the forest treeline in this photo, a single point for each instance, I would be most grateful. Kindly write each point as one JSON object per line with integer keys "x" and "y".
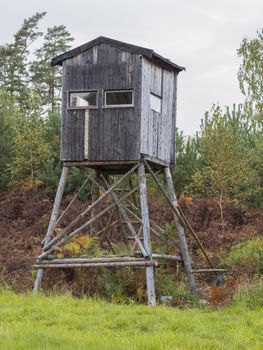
{"x": 222, "y": 161}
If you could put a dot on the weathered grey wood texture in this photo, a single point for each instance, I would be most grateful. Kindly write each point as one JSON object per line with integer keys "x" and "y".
{"x": 52, "y": 224}
{"x": 146, "y": 235}
{"x": 158, "y": 129}
{"x": 125, "y": 133}
{"x": 114, "y": 133}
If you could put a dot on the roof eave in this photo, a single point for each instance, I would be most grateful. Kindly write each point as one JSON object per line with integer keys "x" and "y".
{"x": 147, "y": 53}
{"x": 167, "y": 63}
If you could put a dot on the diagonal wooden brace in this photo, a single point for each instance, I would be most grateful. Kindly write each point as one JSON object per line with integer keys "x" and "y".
{"x": 81, "y": 228}
{"x": 126, "y": 218}
{"x": 85, "y": 212}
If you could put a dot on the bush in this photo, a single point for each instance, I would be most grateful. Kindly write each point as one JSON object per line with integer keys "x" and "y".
{"x": 167, "y": 285}
{"x": 113, "y": 284}
{"x": 247, "y": 255}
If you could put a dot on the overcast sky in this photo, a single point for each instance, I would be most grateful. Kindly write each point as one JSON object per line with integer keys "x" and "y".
{"x": 202, "y": 35}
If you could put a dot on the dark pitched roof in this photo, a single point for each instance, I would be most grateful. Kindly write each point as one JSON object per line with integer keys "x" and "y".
{"x": 148, "y": 53}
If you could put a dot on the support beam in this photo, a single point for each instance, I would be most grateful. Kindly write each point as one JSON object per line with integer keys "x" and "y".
{"x": 167, "y": 257}
{"x": 179, "y": 214}
{"x": 135, "y": 201}
{"x": 120, "y": 222}
{"x": 121, "y": 226}
{"x": 161, "y": 256}
{"x": 126, "y": 218}
{"x": 81, "y": 228}
{"x": 90, "y": 260}
{"x": 96, "y": 203}
{"x": 74, "y": 198}
{"x": 192, "y": 232}
{"x": 52, "y": 224}
{"x": 157, "y": 230}
{"x": 181, "y": 233}
{"x": 145, "y": 263}
{"x": 105, "y": 230}
{"x": 139, "y": 236}
{"x": 95, "y": 194}
{"x": 135, "y": 212}
{"x": 146, "y": 235}
{"x": 140, "y": 221}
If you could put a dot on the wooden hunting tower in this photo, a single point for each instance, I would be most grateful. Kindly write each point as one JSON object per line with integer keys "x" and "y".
{"x": 118, "y": 117}
{"x": 119, "y": 103}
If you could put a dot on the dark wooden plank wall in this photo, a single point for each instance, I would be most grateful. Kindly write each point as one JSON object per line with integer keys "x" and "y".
{"x": 114, "y": 133}
{"x": 158, "y": 129}
{"x": 72, "y": 126}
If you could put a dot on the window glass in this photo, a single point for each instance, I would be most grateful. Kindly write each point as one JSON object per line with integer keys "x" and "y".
{"x": 118, "y": 98}
{"x": 156, "y": 103}
{"x": 83, "y": 99}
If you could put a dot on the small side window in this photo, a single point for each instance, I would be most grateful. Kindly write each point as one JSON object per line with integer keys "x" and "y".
{"x": 156, "y": 103}
{"x": 118, "y": 98}
{"x": 83, "y": 99}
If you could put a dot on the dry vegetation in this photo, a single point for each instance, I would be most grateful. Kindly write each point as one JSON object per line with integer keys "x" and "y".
{"x": 24, "y": 217}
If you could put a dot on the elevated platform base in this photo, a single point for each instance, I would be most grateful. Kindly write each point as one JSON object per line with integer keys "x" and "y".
{"x": 120, "y": 206}
{"x": 118, "y": 167}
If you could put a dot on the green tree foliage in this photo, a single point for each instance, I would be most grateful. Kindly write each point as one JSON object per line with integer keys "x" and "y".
{"x": 187, "y": 161}
{"x": 30, "y": 149}
{"x": 226, "y": 148}
{"x": 250, "y": 74}
{"x": 14, "y": 61}
{"x": 46, "y": 79}
{"x": 246, "y": 253}
{"x": 29, "y": 87}
{"x": 8, "y": 115}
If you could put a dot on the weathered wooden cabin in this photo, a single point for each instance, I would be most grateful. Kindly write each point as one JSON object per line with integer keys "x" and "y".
{"x": 119, "y": 103}
{"x": 119, "y": 114}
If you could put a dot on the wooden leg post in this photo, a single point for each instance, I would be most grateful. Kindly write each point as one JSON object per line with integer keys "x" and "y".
{"x": 95, "y": 195}
{"x": 146, "y": 235}
{"x": 52, "y": 223}
{"x": 181, "y": 234}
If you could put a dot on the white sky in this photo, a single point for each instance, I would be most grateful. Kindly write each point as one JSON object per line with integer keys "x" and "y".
{"x": 202, "y": 35}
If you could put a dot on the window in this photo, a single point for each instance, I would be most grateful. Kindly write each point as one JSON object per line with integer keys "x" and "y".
{"x": 118, "y": 98}
{"x": 156, "y": 103}
{"x": 83, "y": 99}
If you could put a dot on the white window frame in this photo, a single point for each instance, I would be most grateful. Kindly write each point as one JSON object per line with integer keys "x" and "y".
{"x": 81, "y": 91}
{"x": 117, "y": 106}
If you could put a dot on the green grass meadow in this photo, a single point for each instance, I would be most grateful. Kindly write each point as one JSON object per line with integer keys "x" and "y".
{"x": 63, "y": 322}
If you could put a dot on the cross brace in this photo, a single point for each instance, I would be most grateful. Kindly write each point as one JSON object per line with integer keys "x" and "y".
{"x": 112, "y": 196}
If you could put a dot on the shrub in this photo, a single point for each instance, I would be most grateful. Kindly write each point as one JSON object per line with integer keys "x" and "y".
{"x": 167, "y": 285}
{"x": 113, "y": 284}
{"x": 248, "y": 255}
{"x": 80, "y": 245}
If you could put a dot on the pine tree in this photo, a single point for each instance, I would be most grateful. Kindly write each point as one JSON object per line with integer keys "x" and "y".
{"x": 14, "y": 75}
{"x": 8, "y": 114}
{"x": 187, "y": 161}
{"x": 46, "y": 79}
